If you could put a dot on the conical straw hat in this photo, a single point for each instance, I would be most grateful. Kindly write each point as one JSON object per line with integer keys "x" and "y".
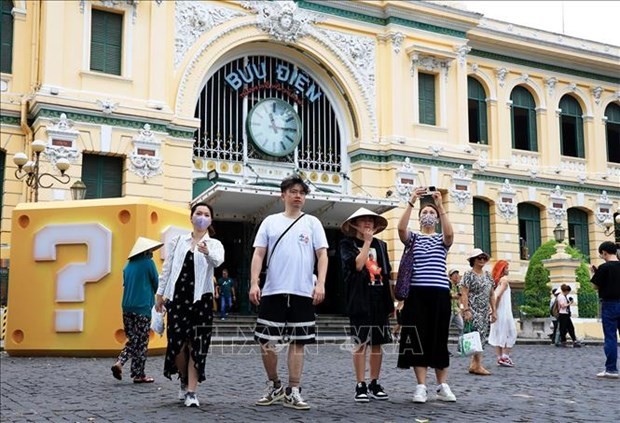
{"x": 380, "y": 222}
{"x": 144, "y": 244}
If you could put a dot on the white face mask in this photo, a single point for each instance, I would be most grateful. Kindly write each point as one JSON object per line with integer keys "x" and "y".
{"x": 201, "y": 222}
{"x": 428, "y": 220}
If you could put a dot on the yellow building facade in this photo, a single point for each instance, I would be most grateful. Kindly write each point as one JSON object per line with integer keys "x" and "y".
{"x": 518, "y": 128}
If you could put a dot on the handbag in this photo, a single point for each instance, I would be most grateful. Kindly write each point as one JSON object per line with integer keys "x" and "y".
{"x": 405, "y": 271}
{"x": 263, "y": 274}
{"x": 469, "y": 342}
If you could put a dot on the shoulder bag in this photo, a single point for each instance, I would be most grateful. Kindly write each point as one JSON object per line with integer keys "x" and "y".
{"x": 405, "y": 271}
{"x": 263, "y": 274}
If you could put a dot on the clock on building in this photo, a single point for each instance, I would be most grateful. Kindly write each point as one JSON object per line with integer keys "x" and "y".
{"x": 274, "y": 127}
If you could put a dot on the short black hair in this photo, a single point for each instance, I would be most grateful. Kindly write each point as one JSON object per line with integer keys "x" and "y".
{"x": 293, "y": 180}
{"x": 608, "y": 247}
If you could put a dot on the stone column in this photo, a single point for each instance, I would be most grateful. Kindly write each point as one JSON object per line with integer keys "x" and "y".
{"x": 562, "y": 269}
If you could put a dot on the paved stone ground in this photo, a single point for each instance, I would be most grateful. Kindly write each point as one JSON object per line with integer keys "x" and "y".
{"x": 548, "y": 384}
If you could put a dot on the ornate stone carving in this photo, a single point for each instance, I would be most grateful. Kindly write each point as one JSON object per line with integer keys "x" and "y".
{"x": 396, "y": 38}
{"x": 483, "y": 160}
{"x": 107, "y": 106}
{"x": 507, "y": 205}
{"x": 282, "y": 20}
{"x": 461, "y": 54}
{"x": 61, "y": 140}
{"x": 474, "y": 67}
{"x": 501, "y": 75}
{"x": 603, "y": 210}
{"x": 115, "y": 3}
{"x": 144, "y": 161}
{"x": 194, "y": 19}
{"x": 551, "y": 83}
{"x": 596, "y": 93}
{"x": 405, "y": 180}
{"x": 525, "y": 77}
{"x": 461, "y": 181}
{"x": 435, "y": 150}
{"x": 557, "y": 205}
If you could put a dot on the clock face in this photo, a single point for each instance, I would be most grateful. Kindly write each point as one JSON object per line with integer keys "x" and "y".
{"x": 274, "y": 126}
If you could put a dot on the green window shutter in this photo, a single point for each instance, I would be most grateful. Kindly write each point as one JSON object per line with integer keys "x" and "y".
{"x": 482, "y": 112}
{"x": 6, "y": 40}
{"x": 102, "y": 175}
{"x": 482, "y": 225}
{"x": 512, "y": 126}
{"x": 580, "y": 143}
{"x": 529, "y": 220}
{"x": 533, "y": 137}
{"x": 612, "y": 132}
{"x": 475, "y": 92}
{"x": 2, "y": 169}
{"x": 106, "y": 43}
{"x": 578, "y": 236}
{"x": 426, "y": 98}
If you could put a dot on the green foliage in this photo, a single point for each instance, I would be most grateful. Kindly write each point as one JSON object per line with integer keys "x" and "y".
{"x": 536, "y": 291}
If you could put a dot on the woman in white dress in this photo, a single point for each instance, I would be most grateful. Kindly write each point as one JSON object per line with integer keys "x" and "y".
{"x": 503, "y": 334}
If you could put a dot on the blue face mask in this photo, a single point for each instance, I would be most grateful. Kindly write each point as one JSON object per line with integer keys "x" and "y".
{"x": 201, "y": 222}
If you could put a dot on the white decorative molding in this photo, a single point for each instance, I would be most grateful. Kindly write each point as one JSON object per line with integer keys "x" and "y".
{"x": 461, "y": 54}
{"x": 145, "y": 160}
{"x": 61, "y": 140}
{"x": 192, "y": 19}
{"x": 501, "y": 75}
{"x": 133, "y": 4}
{"x": 604, "y": 209}
{"x": 507, "y": 206}
{"x": 551, "y": 83}
{"x": 283, "y": 20}
{"x": 435, "y": 150}
{"x": 582, "y": 178}
{"x": 359, "y": 60}
{"x": 405, "y": 180}
{"x": 572, "y": 87}
{"x": 523, "y": 159}
{"x": 613, "y": 171}
{"x": 396, "y": 38}
{"x": 475, "y": 67}
{"x": 525, "y": 77}
{"x": 107, "y": 106}
{"x": 483, "y": 158}
{"x": 557, "y": 205}
{"x": 430, "y": 63}
{"x": 460, "y": 190}
{"x": 572, "y": 165}
{"x": 596, "y": 93}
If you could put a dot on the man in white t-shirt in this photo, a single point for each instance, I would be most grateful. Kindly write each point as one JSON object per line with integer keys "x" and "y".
{"x": 286, "y": 313}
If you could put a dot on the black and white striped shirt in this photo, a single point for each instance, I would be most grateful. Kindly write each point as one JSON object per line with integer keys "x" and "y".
{"x": 429, "y": 266}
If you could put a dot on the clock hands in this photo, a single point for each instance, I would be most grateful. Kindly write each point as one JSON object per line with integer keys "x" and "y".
{"x": 273, "y": 123}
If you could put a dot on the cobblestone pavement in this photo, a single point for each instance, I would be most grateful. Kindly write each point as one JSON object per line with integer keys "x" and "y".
{"x": 548, "y": 384}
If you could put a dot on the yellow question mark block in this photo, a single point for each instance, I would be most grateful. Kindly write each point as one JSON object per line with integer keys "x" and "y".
{"x": 66, "y": 272}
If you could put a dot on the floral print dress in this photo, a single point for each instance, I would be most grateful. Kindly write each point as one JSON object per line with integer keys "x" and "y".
{"x": 188, "y": 322}
{"x": 479, "y": 297}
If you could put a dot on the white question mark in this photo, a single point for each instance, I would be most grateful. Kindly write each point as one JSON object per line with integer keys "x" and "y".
{"x": 72, "y": 277}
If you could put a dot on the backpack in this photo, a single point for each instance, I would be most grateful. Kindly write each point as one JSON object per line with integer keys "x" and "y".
{"x": 554, "y": 310}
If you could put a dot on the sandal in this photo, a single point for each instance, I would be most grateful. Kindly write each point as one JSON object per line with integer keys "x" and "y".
{"x": 143, "y": 379}
{"x": 117, "y": 371}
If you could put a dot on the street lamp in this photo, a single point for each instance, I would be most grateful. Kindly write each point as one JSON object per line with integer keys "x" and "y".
{"x": 558, "y": 233}
{"x": 609, "y": 224}
{"x": 29, "y": 169}
{"x": 78, "y": 190}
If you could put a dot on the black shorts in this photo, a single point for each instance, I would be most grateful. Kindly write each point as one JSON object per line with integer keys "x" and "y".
{"x": 285, "y": 318}
{"x": 367, "y": 331}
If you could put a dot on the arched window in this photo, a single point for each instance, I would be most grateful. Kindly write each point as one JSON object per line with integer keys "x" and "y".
{"x": 482, "y": 225}
{"x": 571, "y": 127}
{"x": 612, "y": 113}
{"x": 477, "y": 112}
{"x": 523, "y": 120}
{"x": 529, "y": 229}
{"x": 578, "y": 231}
{"x": 6, "y": 40}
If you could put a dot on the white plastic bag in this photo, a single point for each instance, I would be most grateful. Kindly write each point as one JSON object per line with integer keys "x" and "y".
{"x": 157, "y": 321}
{"x": 470, "y": 343}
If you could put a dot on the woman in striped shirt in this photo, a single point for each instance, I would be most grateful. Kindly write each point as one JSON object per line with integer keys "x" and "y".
{"x": 426, "y": 313}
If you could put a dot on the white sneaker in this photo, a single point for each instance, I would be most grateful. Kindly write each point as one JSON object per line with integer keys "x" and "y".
{"x": 606, "y": 374}
{"x": 294, "y": 400}
{"x": 419, "y": 395}
{"x": 444, "y": 393}
{"x": 271, "y": 395}
{"x": 191, "y": 400}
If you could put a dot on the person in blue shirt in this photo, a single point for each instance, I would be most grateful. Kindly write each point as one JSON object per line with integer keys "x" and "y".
{"x": 140, "y": 280}
{"x": 225, "y": 291}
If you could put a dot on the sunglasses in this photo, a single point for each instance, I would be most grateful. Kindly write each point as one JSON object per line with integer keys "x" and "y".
{"x": 485, "y": 258}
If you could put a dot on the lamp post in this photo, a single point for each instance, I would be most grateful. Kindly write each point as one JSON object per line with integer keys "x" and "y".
{"x": 29, "y": 170}
{"x": 559, "y": 233}
{"x": 78, "y": 190}
{"x": 610, "y": 224}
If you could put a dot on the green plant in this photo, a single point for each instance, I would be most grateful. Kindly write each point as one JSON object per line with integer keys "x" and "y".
{"x": 536, "y": 291}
